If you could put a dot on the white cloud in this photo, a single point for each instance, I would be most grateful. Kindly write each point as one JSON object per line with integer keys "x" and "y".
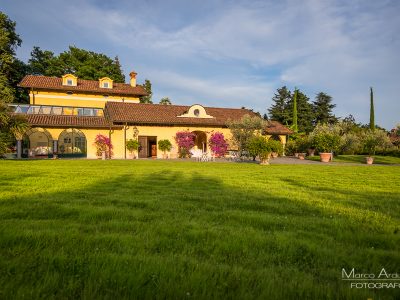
{"x": 239, "y": 52}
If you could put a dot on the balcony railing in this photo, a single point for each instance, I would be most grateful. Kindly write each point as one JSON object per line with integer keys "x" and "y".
{"x": 56, "y": 110}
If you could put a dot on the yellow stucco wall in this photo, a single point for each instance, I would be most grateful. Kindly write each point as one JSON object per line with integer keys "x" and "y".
{"x": 76, "y": 99}
{"x": 160, "y": 132}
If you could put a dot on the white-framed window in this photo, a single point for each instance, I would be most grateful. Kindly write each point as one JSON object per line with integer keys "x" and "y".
{"x": 105, "y": 85}
{"x": 69, "y": 82}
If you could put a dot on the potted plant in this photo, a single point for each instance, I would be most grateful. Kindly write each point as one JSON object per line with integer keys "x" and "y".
{"x": 132, "y": 146}
{"x": 259, "y": 146}
{"x": 325, "y": 143}
{"x": 276, "y": 148}
{"x": 371, "y": 139}
{"x": 164, "y": 146}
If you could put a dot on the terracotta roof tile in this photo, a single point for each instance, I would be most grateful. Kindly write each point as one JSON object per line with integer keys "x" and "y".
{"x": 54, "y": 83}
{"x": 156, "y": 114}
{"x": 274, "y": 127}
{"x": 67, "y": 121}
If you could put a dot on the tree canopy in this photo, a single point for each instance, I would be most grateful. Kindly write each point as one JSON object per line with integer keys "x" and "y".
{"x": 147, "y": 87}
{"x": 165, "y": 101}
{"x": 82, "y": 63}
{"x": 9, "y": 41}
{"x": 322, "y": 108}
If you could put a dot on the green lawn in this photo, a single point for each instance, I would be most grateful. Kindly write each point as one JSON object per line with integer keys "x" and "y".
{"x": 378, "y": 159}
{"x": 167, "y": 229}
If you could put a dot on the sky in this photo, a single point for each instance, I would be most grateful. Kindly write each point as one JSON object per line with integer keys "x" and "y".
{"x": 234, "y": 53}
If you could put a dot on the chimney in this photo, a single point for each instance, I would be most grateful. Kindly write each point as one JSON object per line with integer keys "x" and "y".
{"x": 133, "y": 78}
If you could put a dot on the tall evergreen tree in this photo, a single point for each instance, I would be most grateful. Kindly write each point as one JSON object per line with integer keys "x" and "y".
{"x": 278, "y": 112}
{"x": 147, "y": 87}
{"x": 372, "y": 111}
{"x": 322, "y": 109}
{"x": 305, "y": 114}
{"x": 294, "y": 125}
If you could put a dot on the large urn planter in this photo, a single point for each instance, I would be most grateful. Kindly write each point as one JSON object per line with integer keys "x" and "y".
{"x": 369, "y": 160}
{"x": 325, "y": 156}
{"x": 311, "y": 152}
{"x": 301, "y": 156}
{"x": 274, "y": 154}
{"x": 265, "y": 160}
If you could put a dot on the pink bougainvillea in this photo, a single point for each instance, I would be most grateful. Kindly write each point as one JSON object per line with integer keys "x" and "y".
{"x": 103, "y": 143}
{"x": 185, "y": 141}
{"x": 218, "y": 144}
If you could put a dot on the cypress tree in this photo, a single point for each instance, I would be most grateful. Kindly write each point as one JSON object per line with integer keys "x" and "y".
{"x": 295, "y": 128}
{"x": 371, "y": 111}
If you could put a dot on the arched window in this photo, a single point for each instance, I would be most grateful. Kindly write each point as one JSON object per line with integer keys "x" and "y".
{"x": 37, "y": 142}
{"x": 72, "y": 143}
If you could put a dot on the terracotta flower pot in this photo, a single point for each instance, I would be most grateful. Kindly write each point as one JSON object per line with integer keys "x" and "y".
{"x": 274, "y": 154}
{"x": 369, "y": 160}
{"x": 311, "y": 152}
{"x": 325, "y": 156}
{"x": 301, "y": 156}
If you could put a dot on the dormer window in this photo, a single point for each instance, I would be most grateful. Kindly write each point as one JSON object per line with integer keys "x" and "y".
{"x": 70, "y": 80}
{"x": 105, "y": 83}
{"x": 196, "y": 112}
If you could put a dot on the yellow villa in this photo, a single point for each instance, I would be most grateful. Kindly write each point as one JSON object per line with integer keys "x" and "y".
{"x": 66, "y": 114}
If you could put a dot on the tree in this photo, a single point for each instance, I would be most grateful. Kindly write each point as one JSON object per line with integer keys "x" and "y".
{"x": 322, "y": 109}
{"x": 294, "y": 124}
{"x": 147, "y": 88}
{"x": 9, "y": 41}
{"x": 305, "y": 114}
{"x": 244, "y": 129}
{"x": 372, "y": 112}
{"x": 278, "y": 112}
{"x": 82, "y": 63}
{"x": 165, "y": 101}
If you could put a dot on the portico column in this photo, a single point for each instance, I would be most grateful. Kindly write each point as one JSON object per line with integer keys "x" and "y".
{"x": 19, "y": 149}
{"x": 55, "y": 146}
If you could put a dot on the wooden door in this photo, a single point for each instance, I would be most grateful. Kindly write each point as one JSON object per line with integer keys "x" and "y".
{"x": 143, "y": 153}
{"x": 153, "y": 150}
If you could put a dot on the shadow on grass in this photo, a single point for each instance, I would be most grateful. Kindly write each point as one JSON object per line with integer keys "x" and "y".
{"x": 177, "y": 235}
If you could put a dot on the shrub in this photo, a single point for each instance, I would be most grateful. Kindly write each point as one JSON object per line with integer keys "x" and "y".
{"x": 290, "y": 147}
{"x": 372, "y": 139}
{"x": 351, "y": 143}
{"x": 103, "y": 143}
{"x": 259, "y": 146}
{"x": 185, "y": 141}
{"x": 164, "y": 145}
{"x": 218, "y": 144}
{"x": 276, "y": 146}
{"x": 132, "y": 145}
{"x": 326, "y": 138}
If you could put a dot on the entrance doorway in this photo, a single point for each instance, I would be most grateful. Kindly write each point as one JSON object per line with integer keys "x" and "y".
{"x": 200, "y": 140}
{"x": 147, "y": 146}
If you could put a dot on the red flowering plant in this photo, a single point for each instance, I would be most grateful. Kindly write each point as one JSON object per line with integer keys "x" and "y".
{"x": 185, "y": 141}
{"x": 218, "y": 144}
{"x": 103, "y": 143}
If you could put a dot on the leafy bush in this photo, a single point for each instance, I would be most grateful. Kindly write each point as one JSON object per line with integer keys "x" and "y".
{"x": 290, "y": 147}
{"x": 132, "y": 145}
{"x": 351, "y": 143}
{"x": 259, "y": 146}
{"x": 185, "y": 141}
{"x": 103, "y": 143}
{"x": 326, "y": 137}
{"x": 164, "y": 145}
{"x": 218, "y": 144}
{"x": 276, "y": 146}
{"x": 372, "y": 139}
